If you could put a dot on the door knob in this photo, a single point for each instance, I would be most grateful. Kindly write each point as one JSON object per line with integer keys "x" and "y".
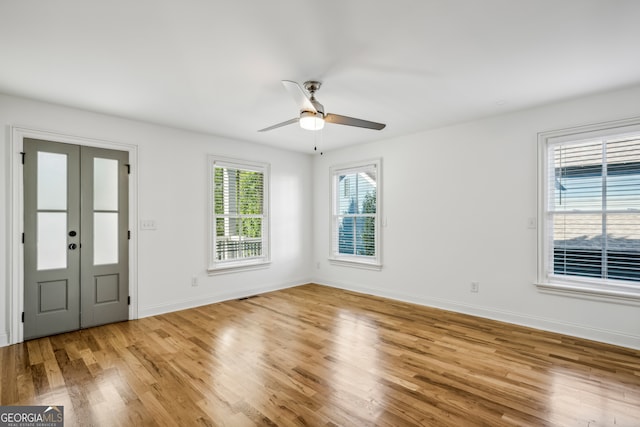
{"x": 73, "y": 246}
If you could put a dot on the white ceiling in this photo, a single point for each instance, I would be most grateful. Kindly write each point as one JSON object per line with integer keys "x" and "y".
{"x": 215, "y": 66}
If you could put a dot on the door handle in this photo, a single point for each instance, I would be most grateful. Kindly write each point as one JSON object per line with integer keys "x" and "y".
{"x": 73, "y": 246}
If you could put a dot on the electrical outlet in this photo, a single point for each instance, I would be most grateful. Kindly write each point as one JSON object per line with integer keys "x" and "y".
{"x": 194, "y": 281}
{"x": 475, "y": 287}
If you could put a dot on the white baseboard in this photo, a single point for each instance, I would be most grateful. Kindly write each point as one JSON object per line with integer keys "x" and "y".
{"x": 211, "y": 299}
{"x": 575, "y": 330}
{"x": 4, "y": 340}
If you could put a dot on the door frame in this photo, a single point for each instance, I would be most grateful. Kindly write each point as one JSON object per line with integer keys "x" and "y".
{"x": 16, "y": 219}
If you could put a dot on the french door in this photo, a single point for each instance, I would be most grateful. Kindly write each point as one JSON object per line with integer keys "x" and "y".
{"x": 75, "y": 237}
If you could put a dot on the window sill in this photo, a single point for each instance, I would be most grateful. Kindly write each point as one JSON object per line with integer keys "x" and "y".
{"x": 237, "y": 267}
{"x": 356, "y": 264}
{"x": 608, "y": 293}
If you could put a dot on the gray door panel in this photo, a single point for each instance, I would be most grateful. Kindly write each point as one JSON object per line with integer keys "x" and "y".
{"x": 104, "y": 265}
{"x": 52, "y": 208}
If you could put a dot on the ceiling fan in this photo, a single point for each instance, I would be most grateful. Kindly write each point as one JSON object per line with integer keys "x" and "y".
{"x": 312, "y": 115}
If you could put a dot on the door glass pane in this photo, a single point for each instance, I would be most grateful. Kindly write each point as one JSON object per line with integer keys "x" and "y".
{"x": 52, "y": 181}
{"x": 52, "y": 240}
{"x": 105, "y": 238}
{"x": 105, "y": 184}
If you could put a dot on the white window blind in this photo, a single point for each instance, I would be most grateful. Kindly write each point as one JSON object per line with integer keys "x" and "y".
{"x": 593, "y": 209}
{"x": 355, "y": 231}
{"x": 239, "y": 214}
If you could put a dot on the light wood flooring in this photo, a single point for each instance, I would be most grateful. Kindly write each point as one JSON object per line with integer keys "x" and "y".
{"x": 317, "y": 356}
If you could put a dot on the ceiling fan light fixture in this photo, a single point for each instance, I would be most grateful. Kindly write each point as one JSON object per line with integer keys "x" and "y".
{"x": 311, "y": 121}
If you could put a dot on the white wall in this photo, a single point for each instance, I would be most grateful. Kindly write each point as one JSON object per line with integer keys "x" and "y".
{"x": 473, "y": 187}
{"x": 457, "y": 202}
{"x": 172, "y": 189}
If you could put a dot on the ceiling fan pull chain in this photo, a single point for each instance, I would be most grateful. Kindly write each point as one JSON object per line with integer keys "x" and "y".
{"x": 315, "y": 141}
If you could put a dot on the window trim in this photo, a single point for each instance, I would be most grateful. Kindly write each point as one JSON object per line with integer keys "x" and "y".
{"x": 357, "y": 261}
{"x": 603, "y": 290}
{"x": 218, "y": 267}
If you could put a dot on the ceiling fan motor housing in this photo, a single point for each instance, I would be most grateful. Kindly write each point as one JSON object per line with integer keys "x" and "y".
{"x": 312, "y": 86}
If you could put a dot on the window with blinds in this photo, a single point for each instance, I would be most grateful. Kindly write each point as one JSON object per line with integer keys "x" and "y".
{"x": 355, "y": 230}
{"x": 239, "y": 214}
{"x": 593, "y": 209}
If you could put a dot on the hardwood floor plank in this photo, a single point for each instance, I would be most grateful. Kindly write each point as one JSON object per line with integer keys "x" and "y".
{"x": 317, "y": 356}
{"x": 9, "y": 373}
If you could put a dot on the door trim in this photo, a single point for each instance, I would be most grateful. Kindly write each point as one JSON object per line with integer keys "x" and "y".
{"x": 16, "y": 219}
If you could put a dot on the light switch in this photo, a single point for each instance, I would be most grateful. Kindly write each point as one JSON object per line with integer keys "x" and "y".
{"x": 148, "y": 224}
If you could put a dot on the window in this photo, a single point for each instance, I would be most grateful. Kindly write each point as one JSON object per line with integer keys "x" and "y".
{"x": 239, "y": 214}
{"x": 590, "y": 238}
{"x": 355, "y": 236}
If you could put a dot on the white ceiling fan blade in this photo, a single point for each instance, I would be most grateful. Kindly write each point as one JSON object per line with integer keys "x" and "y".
{"x": 350, "y": 121}
{"x": 299, "y": 95}
{"x": 279, "y": 125}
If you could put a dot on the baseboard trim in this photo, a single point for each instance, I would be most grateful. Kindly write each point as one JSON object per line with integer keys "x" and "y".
{"x": 574, "y": 330}
{"x": 4, "y": 340}
{"x": 212, "y": 299}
